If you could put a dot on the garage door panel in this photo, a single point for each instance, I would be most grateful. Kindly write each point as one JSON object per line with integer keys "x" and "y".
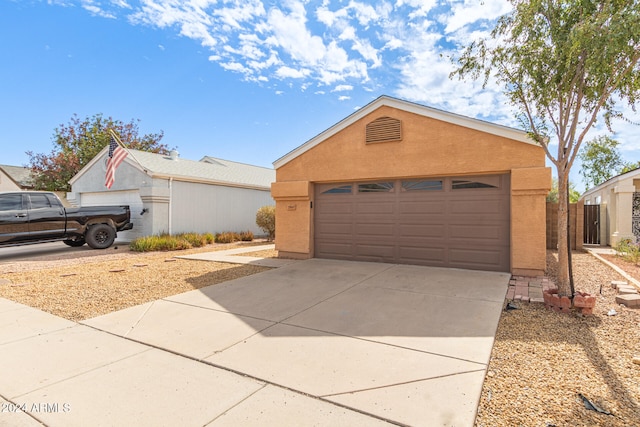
{"x": 375, "y": 230}
{"x": 375, "y": 208}
{"x": 375, "y": 251}
{"x": 344, "y": 208}
{"x": 476, "y": 258}
{"x": 421, "y": 231}
{"x": 335, "y": 228}
{"x": 423, "y": 208}
{"x": 462, "y": 228}
{"x": 478, "y": 207}
{"x": 431, "y": 255}
{"x": 336, "y": 249}
{"x": 481, "y": 232}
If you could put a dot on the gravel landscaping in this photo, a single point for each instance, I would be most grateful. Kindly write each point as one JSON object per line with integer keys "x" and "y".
{"x": 86, "y": 287}
{"x": 541, "y": 363}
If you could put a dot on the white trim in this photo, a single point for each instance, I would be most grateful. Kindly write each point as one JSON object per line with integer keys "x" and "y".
{"x": 456, "y": 119}
{"x": 208, "y": 181}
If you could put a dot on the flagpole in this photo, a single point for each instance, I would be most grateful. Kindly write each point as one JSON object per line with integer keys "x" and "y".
{"x": 117, "y": 138}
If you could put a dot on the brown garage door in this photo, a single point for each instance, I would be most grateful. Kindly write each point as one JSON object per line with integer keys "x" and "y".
{"x": 460, "y": 222}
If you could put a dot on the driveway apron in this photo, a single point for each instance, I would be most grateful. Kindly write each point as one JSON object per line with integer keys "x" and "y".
{"x": 316, "y": 342}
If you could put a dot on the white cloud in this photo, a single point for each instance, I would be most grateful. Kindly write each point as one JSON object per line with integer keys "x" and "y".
{"x": 398, "y": 47}
{"x": 288, "y": 72}
{"x": 342, "y": 88}
{"x": 121, "y": 4}
{"x": 92, "y": 7}
{"x": 471, "y": 11}
{"x": 344, "y": 98}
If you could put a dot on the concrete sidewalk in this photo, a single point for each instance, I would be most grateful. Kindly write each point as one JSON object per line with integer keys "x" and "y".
{"x": 316, "y": 342}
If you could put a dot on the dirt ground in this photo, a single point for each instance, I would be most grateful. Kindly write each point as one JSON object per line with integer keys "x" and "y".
{"x": 78, "y": 288}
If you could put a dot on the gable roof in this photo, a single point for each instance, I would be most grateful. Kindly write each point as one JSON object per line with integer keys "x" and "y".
{"x": 22, "y": 176}
{"x": 209, "y": 170}
{"x": 457, "y": 119}
{"x": 613, "y": 180}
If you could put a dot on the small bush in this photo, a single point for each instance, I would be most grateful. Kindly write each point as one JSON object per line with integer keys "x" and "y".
{"x": 266, "y": 220}
{"x": 166, "y": 242}
{"x": 195, "y": 240}
{"x": 162, "y": 242}
{"x": 227, "y": 237}
{"x": 628, "y": 250}
{"x": 246, "y": 236}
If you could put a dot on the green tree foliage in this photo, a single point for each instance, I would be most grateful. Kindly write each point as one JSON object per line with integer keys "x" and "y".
{"x": 562, "y": 64}
{"x": 601, "y": 160}
{"x": 266, "y": 220}
{"x": 79, "y": 141}
{"x": 574, "y": 195}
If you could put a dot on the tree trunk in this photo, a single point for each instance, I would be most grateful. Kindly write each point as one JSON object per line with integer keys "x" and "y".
{"x": 564, "y": 286}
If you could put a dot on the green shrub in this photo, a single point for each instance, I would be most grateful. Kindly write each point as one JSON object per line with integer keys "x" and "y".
{"x": 162, "y": 242}
{"x": 195, "y": 240}
{"x": 266, "y": 220}
{"x": 628, "y": 250}
{"x": 166, "y": 242}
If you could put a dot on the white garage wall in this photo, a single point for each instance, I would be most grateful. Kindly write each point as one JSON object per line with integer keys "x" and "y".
{"x": 206, "y": 208}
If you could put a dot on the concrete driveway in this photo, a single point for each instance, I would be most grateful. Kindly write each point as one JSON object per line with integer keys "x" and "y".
{"x": 316, "y": 342}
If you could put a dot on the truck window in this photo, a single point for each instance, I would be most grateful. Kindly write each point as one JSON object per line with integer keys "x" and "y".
{"x": 39, "y": 201}
{"x": 10, "y": 202}
{"x": 54, "y": 201}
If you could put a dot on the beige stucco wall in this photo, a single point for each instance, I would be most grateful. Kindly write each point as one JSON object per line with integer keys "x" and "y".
{"x": 615, "y": 198}
{"x": 429, "y": 148}
{"x": 7, "y": 184}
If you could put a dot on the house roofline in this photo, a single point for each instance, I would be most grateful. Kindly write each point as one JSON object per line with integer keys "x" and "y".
{"x": 11, "y": 178}
{"x": 18, "y": 184}
{"x": 97, "y": 158}
{"x": 209, "y": 181}
{"x": 411, "y": 107}
{"x": 613, "y": 180}
{"x": 134, "y": 163}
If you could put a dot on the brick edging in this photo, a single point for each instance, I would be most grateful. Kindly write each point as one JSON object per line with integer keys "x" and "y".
{"x": 617, "y": 269}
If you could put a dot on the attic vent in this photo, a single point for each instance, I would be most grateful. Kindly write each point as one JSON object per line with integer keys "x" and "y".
{"x": 384, "y": 129}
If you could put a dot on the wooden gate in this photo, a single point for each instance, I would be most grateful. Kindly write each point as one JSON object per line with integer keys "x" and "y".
{"x": 592, "y": 224}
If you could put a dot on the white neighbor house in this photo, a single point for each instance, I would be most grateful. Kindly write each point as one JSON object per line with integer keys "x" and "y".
{"x": 168, "y": 194}
{"x": 619, "y": 200}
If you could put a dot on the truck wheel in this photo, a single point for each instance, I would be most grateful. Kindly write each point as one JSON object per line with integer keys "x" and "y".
{"x": 100, "y": 236}
{"x": 74, "y": 243}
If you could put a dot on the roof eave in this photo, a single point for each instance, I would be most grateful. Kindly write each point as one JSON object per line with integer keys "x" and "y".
{"x": 615, "y": 179}
{"x": 210, "y": 181}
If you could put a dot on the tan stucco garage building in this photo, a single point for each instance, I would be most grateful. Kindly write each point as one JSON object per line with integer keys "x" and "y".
{"x": 403, "y": 183}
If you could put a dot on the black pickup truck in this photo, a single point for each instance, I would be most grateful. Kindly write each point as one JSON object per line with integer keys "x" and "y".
{"x": 28, "y": 217}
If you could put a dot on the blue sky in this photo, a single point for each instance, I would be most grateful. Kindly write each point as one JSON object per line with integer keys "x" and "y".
{"x": 243, "y": 80}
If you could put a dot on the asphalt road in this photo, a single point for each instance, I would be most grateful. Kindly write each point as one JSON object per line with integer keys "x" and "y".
{"x": 52, "y": 250}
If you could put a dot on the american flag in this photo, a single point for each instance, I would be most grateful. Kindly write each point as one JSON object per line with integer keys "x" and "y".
{"x": 116, "y": 156}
